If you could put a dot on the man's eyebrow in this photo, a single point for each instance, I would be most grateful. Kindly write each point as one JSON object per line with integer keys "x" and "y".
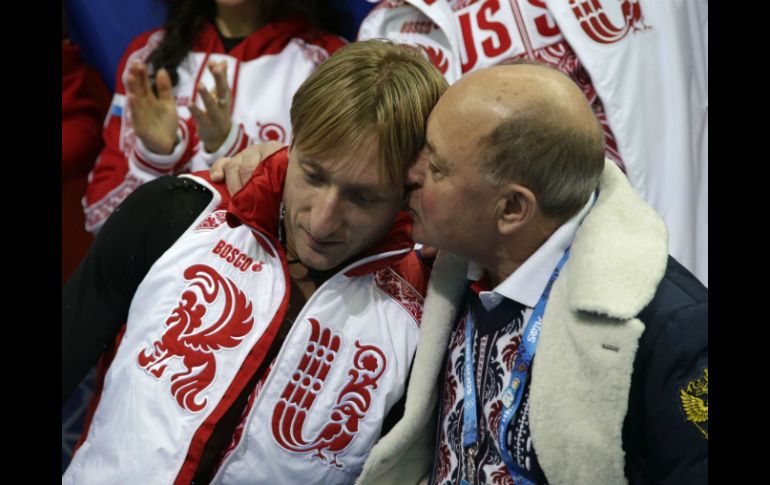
{"x": 375, "y": 191}
{"x": 438, "y": 160}
{"x": 310, "y": 163}
{"x": 313, "y": 165}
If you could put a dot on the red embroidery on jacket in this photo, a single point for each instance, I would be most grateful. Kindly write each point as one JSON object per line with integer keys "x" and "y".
{"x": 212, "y": 221}
{"x": 436, "y": 57}
{"x": 271, "y": 132}
{"x": 392, "y": 284}
{"x": 509, "y": 352}
{"x": 461, "y": 4}
{"x": 97, "y": 213}
{"x": 494, "y": 417}
{"x": 444, "y": 462}
{"x": 502, "y": 477}
{"x": 418, "y": 27}
{"x": 450, "y": 394}
{"x": 391, "y": 4}
{"x": 595, "y": 23}
{"x": 237, "y": 257}
{"x": 301, "y": 391}
{"x": 458, "y": 337}
{"x": 313, "y": 53}
{"x": 187, "y": 338}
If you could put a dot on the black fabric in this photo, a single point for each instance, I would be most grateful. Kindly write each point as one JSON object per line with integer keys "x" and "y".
{"x": 230, "y": 42}
{"x": 227, "y": 42}
{"x": 489, "y": 321}
{"x": 662, "y": 445}
{"x": 95, "y": 301}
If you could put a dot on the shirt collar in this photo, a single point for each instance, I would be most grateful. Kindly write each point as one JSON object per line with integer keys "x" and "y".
{"x": 526, "y": 284}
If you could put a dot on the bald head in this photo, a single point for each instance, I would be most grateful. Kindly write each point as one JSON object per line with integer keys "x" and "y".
{"x": 532, "y": 125}
{"x": 507, "y": 91}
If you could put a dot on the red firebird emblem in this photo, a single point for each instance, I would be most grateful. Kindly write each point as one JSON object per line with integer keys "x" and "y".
{"x": 352, "y": 402}
{"x": 187, "y": 339}
{"x": 595, "y": 23}
{"x": 436, "y": 57}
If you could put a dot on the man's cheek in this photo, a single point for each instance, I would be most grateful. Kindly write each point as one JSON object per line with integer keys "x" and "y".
{"x": 428, "y": 205}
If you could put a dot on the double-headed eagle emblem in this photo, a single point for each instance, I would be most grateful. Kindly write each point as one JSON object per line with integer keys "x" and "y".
{"x": 695, "y": 402}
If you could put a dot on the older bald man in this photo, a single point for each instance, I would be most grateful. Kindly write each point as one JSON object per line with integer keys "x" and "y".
{"x": 579, "y": 349}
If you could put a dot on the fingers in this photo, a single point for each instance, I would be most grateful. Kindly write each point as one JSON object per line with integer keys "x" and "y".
{"x": 219, "y": 71}
{"x": 132, "y": 80}
{"x": 216, "y": 101}
{"x": 216, "y": 172}
{"x": 230, "y": 170}
{"x": 245, "y": 170}
{"x": 253, "y": 154}
{"x": 137, "y": 102}
{"x": 144, "y": 79}
{"x": 163, "y": 83}
{"x": 271, "y": 147}
{"x": 197, "y": 113}
{"x": 236, "y": 171}
{"x": 133, "y": 104}
{"x": 248, "y": 160}
{"x": 232, "y": 175}
{"x": 208, "y": 100}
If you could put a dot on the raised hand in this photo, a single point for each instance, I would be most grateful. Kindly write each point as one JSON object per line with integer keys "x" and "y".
{"x": 154, "y": 118}
{"x": 214, "y": 123}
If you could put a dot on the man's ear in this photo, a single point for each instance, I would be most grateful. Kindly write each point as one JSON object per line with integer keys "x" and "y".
{"x": 515, "y": 208}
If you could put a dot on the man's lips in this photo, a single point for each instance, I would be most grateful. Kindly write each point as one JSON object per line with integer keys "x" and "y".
{"x": 319, "y": 245}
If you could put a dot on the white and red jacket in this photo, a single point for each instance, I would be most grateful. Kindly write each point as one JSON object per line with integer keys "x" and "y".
{"x": 263, "y": 73}
{"x": 461, "y": 36}
{"x": 642, "y": 64}
{"x": 199, "y": 327}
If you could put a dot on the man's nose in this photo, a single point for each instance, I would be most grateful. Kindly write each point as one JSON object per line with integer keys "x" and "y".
{"x": 416, "y": 174}
{"x": 326, "y": 215}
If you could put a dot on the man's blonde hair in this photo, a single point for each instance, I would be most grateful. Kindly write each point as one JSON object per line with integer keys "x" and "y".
{"x": 367, "y": 90}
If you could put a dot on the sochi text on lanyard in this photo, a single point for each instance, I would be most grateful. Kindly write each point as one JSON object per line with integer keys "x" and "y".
{"x": 511, "y": 395}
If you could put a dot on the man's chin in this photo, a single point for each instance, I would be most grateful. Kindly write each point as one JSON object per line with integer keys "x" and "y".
{"x": 318, "y": 261}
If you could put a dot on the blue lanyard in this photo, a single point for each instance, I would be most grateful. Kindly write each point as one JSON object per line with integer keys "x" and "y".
{"x": 470, "y": 425}
{"x": 512, "y": 394}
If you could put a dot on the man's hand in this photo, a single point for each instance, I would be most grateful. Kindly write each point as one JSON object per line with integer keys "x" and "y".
{"x": 154, "y": 118}
{"x": 214, "y": 123}
{"x": 237, "y": 170}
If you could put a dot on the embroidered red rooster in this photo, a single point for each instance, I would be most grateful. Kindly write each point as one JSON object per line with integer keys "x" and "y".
{"x": 351, "y": 405}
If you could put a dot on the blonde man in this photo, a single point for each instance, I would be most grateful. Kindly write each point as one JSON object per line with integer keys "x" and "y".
{"x": 268, "y": 336}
